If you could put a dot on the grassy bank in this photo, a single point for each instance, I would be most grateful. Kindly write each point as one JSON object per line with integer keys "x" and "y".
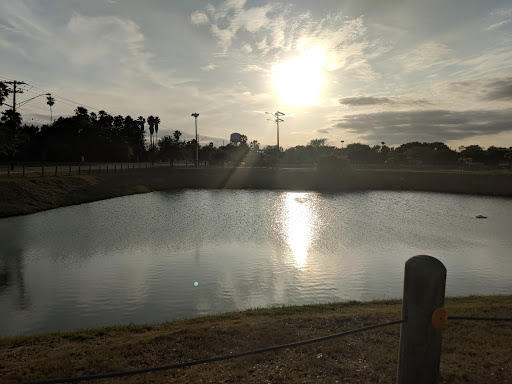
{"x": 33, "y": 194}
{"x": 473, "y": 352}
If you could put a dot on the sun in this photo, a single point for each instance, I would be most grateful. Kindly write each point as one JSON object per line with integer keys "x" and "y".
{"x": 300, "y": 80}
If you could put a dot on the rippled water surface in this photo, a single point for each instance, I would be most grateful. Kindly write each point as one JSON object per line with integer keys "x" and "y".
{"x": 169, "y": 255}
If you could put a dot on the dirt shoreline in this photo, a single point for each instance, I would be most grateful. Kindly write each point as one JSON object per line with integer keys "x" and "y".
{"x": 20, "y": 196}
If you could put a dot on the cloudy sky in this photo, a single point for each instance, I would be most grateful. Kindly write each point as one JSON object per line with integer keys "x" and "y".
{"x": 353, "y": 70}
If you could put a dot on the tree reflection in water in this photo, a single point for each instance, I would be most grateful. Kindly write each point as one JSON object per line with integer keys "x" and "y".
{"x": 12, "y": 281}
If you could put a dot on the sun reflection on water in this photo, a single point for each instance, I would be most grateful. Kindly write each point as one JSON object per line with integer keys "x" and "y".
{"x": 298, "y": 224}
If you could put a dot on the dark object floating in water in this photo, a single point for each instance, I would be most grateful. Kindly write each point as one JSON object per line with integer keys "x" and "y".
{"x": 481, "y": 217}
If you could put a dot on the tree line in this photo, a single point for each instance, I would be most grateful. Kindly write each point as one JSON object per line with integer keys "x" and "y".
{"x": 102, "y": 137}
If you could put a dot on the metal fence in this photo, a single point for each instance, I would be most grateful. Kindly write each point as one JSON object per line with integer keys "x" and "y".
{"x": 62, "y": 169}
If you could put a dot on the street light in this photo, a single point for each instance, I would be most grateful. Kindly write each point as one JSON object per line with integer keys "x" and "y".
{"x": 342, "y": 141}
{"x": 195, "y": 114}
{"x": 277, "y": 120}
{"x": 32, "y": 98}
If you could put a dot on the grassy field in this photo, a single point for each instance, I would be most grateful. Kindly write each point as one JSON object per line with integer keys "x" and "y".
{"x": 23, "y": 195}
{"x": 472, "y": 352}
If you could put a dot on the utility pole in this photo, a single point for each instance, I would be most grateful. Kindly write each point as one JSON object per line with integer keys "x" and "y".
{"x": 277, "y": 120}
{"x": 14, "y": 91}
{"x": 13, "y": 117}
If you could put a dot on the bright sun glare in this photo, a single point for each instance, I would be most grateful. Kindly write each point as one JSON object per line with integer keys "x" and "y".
{"x": 300, "y": 224}
{"x": 299, "y": 81}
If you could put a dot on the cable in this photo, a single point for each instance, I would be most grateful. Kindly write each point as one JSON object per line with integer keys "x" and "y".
{"x": 71, "y": 103}
{"x": 479, "y": 318}
{"x": 218, "y": 358}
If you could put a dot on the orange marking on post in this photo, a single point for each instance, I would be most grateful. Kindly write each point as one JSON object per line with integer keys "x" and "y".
{"x": 439, "y": 318}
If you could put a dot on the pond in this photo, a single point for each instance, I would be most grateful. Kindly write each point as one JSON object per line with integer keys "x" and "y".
{"x": 169, "y": 255}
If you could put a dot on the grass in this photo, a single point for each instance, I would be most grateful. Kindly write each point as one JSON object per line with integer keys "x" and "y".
{"x": 495, "y": 172}
{"x": 473, "y": 352}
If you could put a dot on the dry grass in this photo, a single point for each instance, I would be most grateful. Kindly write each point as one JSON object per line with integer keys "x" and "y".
{"x": 473, "y": 352}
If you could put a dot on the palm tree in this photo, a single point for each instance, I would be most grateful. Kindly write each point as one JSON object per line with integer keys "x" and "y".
{"x": 141, "y": 122}
{"x": 4, "y": 92}
{"x": 156, "y": 121}
{"x": 50, "y": 101}
{"x": 151, "y": 122}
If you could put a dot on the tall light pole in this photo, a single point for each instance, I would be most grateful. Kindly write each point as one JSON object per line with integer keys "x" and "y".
{"x": 195, "y": 114}
{"x": 277, "y": 120}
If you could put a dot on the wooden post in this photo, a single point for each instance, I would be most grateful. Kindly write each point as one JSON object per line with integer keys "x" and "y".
{"x": 89, "y": 169}
{"x": 23, "y": 170}
{"x": 121, "y": 170}
{"x": 8, "y": 171}
{"x": 107, "y": 168}
{"x": 79, "y": 169}
{"x": 42, "y": 170}
{"x": 69, "y": 174}
{"x": 99, "y": 169}
{"x": 420, "y": 342}
{"x": 56, "y": 170}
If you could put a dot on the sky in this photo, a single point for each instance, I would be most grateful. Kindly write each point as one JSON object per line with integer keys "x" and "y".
{"x": 367, "y": 71}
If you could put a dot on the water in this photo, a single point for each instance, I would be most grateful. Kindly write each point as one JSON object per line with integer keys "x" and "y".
{"x": 169, "y": 255}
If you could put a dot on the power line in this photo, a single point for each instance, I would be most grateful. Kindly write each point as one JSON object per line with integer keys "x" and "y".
{"x": 71, "y": 103}
{"x": 479, "y": 318}
{"x": 63, "y": 100}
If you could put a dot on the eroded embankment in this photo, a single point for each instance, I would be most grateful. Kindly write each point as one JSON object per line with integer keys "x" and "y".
{"x": 28, "y": 195}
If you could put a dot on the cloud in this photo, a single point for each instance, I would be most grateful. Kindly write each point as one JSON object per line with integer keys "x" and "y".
{"x": 228, "y": 18}
{"x": 254, "y": 68}
{"x": 425, "y": 125}
{"x": 199, "y": 18}
{"x": 484, "y": 89}
{"x": 209, "y": 67}
{"x": 278, "y": 30}
{"x": 365, "y": 100}
{"x": 494, "y": 61}
{"x": 246, "y": 49}
{"x": 499, "y": 18}
{"x": 19, "y": 18}
{"x": 360, "y": 101}
{"x": 430, "y": 54}
{"x": 498, "y": 25}
{"x": 90, "y": 39}
{"x": 500, "y": 90}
